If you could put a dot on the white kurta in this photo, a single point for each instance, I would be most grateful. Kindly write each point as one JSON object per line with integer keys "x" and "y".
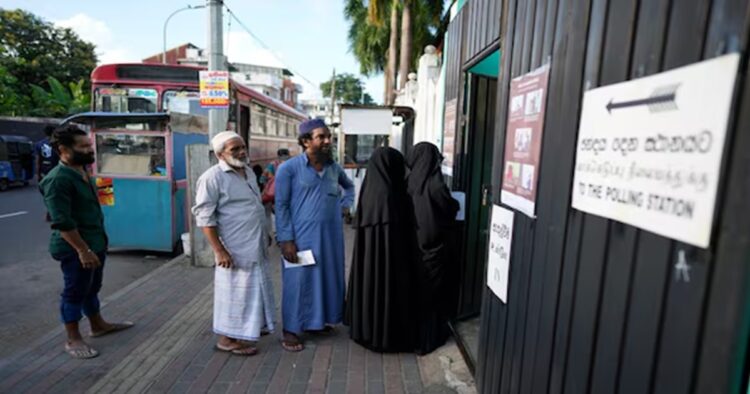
{"x": 243, "y": 295}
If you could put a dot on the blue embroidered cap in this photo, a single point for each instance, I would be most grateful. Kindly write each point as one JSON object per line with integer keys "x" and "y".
{"x": 309, "y": 125}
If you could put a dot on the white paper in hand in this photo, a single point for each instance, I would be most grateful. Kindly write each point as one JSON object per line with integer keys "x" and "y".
{"x": 304, "y": 258}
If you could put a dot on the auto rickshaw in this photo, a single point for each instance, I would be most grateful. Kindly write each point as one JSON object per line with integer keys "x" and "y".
{"x": 16, "y": 161}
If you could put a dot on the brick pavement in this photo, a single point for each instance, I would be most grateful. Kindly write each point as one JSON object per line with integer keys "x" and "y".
{"x": 171, "y": 351}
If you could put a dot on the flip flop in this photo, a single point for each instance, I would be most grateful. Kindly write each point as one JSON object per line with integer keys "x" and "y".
{"x": 294, "y": 345}
{"x": 238, "y": 350}
{"x": 81, "y": 352}
{"x": 114, "y": 327}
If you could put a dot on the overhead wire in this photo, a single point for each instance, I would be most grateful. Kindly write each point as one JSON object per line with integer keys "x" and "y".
{"x": 263, "y": 44}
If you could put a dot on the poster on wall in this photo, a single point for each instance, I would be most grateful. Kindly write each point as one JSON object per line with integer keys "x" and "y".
{"x": 449, "y": 136}
{"x": 105, "y": 191}
{"x": 498, "y": 261}
{"x": 523, "y": 140}
{"x": 649, "y": 150}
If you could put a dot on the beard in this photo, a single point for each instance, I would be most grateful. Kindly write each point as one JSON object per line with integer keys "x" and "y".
{"x": 323, "y": 154}
{"x": 82, "y": 159}
{"x": 236, "y": 163}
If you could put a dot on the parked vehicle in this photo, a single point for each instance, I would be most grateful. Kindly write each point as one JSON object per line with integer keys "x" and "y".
{"x": 16, "y": 161}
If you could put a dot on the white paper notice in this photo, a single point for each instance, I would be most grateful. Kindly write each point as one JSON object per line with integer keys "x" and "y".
{"x": 650, "y": 150}
{"x": 461, "y": 198}
{"x": 304, "y": 257}
{"x": 498, "y": 263}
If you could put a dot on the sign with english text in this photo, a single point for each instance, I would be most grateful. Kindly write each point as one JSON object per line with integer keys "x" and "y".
{"x": 214, "y": 89}
{"x": 650, "y": 150}
{"x": 498, "y": 261}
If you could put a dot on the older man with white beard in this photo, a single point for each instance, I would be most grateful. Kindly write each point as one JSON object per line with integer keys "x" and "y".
{"x": 228, "y": 208}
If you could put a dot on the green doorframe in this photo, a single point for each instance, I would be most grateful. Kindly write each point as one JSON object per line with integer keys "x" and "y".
{"x": 476, "y": 179}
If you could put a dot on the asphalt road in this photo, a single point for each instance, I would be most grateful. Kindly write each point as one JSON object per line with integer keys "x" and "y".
{"x": 31, "y": 281}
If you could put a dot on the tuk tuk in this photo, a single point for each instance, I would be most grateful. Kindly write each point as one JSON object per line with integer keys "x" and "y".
{"x": 140, "y": 175}
{"x": 366, "y": 128}
{"x": 16, "y": 161}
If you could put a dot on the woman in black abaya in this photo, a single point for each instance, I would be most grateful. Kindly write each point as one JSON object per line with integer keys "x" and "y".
{"x": 437, "y": 270}
{"x": 379, "y": 309}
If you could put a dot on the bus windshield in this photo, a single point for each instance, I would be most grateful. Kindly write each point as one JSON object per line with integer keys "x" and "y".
{"x": 132, "y": 100}
{"x": 186, "y": 102}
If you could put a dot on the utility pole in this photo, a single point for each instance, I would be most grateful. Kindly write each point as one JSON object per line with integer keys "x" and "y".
{"x": 340, "y": 145}
{"x": 217, "y": 117}
{"x": 201, "y": 157}
{"x": 333, "y": 95}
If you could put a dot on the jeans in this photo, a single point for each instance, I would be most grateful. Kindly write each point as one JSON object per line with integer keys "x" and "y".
{"x": 80, "y": 295}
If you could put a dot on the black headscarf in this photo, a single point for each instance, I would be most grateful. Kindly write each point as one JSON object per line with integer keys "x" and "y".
{"x": 424, "y": 161}
{"x": 434, "y": 206}
{"x": 385, "y": 177}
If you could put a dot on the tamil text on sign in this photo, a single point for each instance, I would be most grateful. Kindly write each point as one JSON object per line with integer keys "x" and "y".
{"x": 498, "y": 261}
{"x": 649, "y": 150}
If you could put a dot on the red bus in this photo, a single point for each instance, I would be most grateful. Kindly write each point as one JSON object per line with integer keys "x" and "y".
{"x": 266, "y": 124}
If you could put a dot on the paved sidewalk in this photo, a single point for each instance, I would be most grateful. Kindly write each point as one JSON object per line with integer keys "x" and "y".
{"x": 171, "y": 350}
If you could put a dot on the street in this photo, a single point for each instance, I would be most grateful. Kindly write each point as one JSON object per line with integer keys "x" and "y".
{"x": 30, "y": 280}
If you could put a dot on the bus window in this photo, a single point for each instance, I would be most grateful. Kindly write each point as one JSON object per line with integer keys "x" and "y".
{"x": 119, "y": 100}
{"x": 258, "y": 120}
{"x": 271, "y": 123}
{"x": 128, "y": 154}
{"x": 186, "y": 102}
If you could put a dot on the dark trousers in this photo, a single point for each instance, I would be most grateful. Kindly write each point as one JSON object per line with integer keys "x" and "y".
{"x": 81, "y": 293}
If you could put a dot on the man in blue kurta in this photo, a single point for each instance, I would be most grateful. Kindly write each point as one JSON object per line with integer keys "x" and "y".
{"x": 309, "y": 208}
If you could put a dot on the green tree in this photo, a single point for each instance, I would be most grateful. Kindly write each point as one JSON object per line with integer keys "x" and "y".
{"x": 349, "y": 90}
{"x": 422, "y": 23}
{"x": 32, "y": 51}
{"x": 11, "y": 102}
{"x": 59, "y": 100}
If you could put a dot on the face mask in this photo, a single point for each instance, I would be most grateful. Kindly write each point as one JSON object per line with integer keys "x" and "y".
{"x": 82, "y": 159}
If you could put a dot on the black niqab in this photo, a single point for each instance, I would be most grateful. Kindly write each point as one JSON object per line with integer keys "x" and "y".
{"x": 437, "y": 262}
{"x": 379, "y": 308}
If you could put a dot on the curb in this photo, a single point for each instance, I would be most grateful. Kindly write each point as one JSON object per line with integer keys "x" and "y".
{"x": 113, "y": 297}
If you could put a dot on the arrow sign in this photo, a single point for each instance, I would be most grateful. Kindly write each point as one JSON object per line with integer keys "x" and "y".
{"x": 662, "y": 99}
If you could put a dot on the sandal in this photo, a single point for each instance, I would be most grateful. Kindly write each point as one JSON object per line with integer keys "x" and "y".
{"x": 291, "y": 343}
{"x": 113, "y": 327}
{"x": 240, "y": 350}
{"x": 81, "y": 352}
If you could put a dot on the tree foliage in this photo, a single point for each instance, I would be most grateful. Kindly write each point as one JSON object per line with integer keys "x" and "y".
{"x": 60, "y": 100}
{"x": 33, "y": 54}
{"x": 370, "y": 32}
{"x": 349, "y": 90}
{"x": 367, "y": 41}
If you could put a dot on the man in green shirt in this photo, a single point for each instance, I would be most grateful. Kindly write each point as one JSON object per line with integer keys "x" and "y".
{"x": 78, "y": 239}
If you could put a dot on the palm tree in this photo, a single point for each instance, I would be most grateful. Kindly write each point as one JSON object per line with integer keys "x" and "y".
{"x": 420, "y": 25}
{"x": 370, "y": 43}
{"x": 406, "y": 43}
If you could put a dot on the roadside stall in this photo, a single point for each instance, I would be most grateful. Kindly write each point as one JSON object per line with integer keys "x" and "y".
{"x": 140, "y": 175}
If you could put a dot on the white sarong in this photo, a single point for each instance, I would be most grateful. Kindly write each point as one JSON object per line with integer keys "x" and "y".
{"x": 243, "y": 301}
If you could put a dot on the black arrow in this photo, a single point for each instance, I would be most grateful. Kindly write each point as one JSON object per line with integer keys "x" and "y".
{"x": 661, "y": 100}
